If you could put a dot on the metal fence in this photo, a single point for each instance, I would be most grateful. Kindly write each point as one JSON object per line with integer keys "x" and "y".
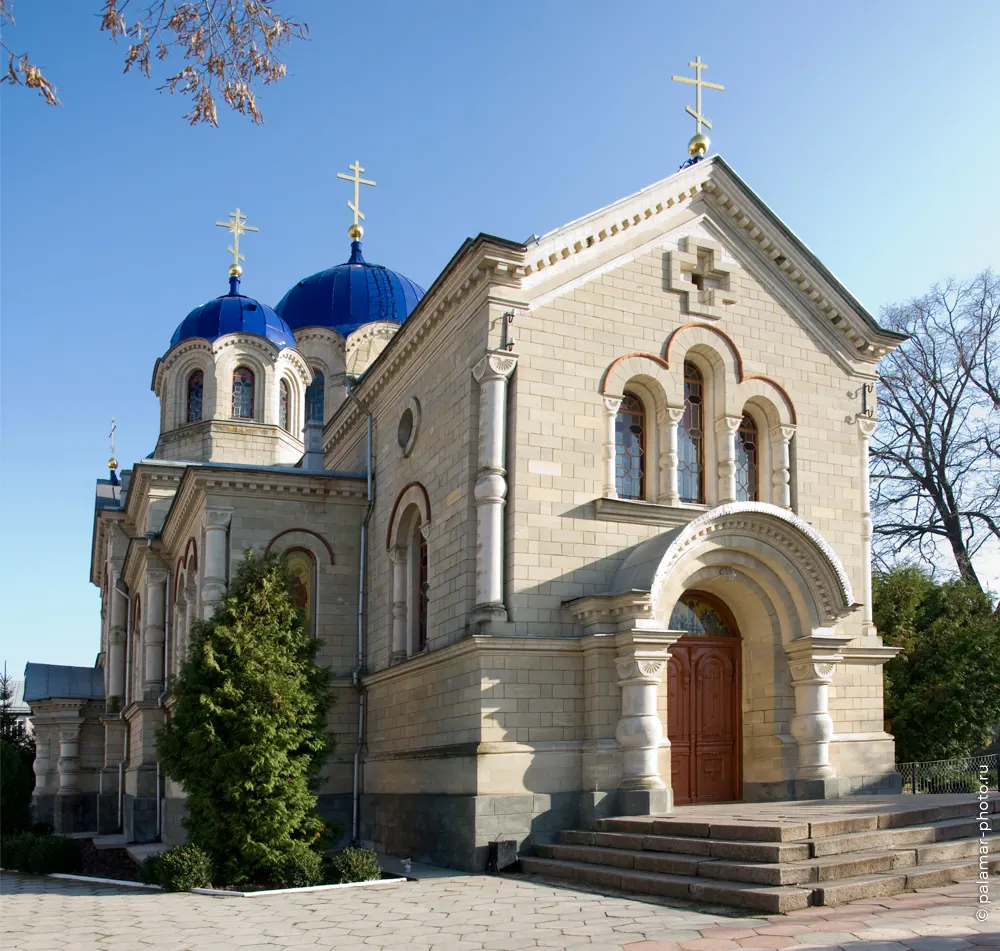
{"x": 964, "y": 775}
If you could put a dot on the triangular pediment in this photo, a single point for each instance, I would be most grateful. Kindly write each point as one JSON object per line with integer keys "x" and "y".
{"x": 705, "y": 209}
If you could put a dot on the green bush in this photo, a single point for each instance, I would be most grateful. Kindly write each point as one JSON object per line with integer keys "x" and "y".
{"x": 40, "y": 854}
{"x": 353, "y": 865}
{"x": 178, "y": 869}
{"x": 297, "y": 867}
{"x": 248, "y": 732}
{"x": 17, "y": 782}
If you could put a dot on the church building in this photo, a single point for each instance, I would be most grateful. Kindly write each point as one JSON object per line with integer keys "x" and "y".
{"x": 583, "y": 530}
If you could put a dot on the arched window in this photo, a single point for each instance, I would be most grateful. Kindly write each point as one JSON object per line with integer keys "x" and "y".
{"x": 301, "y": 568}
{"x": 699, "y": 613}
{"x": 747, "y": 468}
{"x": 630, "y": 448}
{"x": 243, "y": 385}
{"x": 314, "y": 398}
{"x": 691, "y": 437}
{"x": 196, "y": 391}
{"x": 284, "y": 398}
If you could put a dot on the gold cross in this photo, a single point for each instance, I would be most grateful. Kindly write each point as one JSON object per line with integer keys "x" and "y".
{"x": 237, "y": 225}
{"x": 356, "y": 231}
{"x": 698, "y": 83}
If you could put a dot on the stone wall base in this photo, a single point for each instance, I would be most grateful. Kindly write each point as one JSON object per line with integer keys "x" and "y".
{"x": 174, "y": 812}
{"x": 455, "y": 830}
{"x": 74, "y": 812}
{"x": 43, "y": 808}
{"x": 139, "y": 818}
{"x": 107, "y": 813}
{"x": 890, "y": 784}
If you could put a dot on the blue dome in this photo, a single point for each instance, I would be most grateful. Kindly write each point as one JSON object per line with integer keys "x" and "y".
{"x": 234, "y": 313}
{"x": 350, "y": 295}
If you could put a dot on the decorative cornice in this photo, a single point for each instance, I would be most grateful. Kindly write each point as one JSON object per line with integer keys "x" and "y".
{"x": 869, "y": 655}
{"x": 637, "y": 512}
{"x": 740, "y": 210}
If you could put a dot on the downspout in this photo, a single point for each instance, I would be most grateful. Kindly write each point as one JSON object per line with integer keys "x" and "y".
{"x": 125, "y": 700}
{"x": 358, "y": 670}
{"x": 159, "y": 701}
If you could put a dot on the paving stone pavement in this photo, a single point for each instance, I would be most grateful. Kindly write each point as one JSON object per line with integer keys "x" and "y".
{"x": 468, "y": 913}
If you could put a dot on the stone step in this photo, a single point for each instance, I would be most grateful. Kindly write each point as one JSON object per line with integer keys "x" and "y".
{"x": 738, "y": 894}
{"x": 667, "y": 862}
{"x": 949, "y": 851}
{"x": 935, "y": 832}
{"x": 809, "y": 871}
{"x": 789, "y": 830}
{"x": 864, "y": 886}
{"x": 747, "y": 851}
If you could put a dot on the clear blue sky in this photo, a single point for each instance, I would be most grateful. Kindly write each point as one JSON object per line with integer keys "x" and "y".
{"x": 870, "y": 128}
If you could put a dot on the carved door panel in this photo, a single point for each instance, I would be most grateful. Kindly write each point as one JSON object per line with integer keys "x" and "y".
{"x": 679, "y": 723}
{"x": 704, "y": 720}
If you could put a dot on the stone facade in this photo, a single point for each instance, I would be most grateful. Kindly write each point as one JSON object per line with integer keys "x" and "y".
{"x": 516, "y": 618}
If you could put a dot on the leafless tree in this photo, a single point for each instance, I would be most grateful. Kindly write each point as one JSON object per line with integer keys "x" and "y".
{"x": 936, "y": 452}
{"x": 208, "y": 47}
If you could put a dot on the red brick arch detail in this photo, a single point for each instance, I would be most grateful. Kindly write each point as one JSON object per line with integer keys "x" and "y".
{"x": 715, "y": 330}
{"x": 779, "y": 388}
{"x": 395, "y": 505}
{"x": 628, "y": 356}
{"x": 307, "y": 531}
{"x": 190, "y": 554}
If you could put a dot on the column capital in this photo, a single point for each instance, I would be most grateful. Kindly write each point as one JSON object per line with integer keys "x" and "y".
{"x": 783, "y": 431}
{"x": 612, "y": 403}
{"x": 495, "y": 365}
{"x": 397, "y": 555}
{"x": 728, "y": 424}
{"x": 218, "y": 518}
{"x": 867, "y": 426}
{"x": 156, "y": 576}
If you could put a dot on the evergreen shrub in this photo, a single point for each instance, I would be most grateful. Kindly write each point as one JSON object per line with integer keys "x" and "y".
{"x": 36, "y": 854}
{"x": 178, "y": 869}
{"x": 248, "y": 733}
{"x": 353, "y": 865}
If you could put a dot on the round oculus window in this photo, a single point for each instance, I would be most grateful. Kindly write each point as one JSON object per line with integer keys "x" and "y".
{"x": 405, "y": 430}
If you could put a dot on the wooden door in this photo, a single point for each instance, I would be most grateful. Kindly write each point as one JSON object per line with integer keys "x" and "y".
{"x": 703, "y": 719}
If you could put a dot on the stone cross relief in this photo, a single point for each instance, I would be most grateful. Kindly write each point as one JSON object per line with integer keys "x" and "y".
{"x": 697, "y": 271}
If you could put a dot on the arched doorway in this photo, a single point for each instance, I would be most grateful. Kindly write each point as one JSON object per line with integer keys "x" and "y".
{"x": 703, "y": 702}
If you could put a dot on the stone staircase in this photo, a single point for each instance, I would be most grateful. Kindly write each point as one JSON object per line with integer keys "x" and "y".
{"x": 778, "y": 863}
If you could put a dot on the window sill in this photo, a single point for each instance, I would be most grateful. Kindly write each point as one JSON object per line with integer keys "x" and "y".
{"x": 647, "y": 513}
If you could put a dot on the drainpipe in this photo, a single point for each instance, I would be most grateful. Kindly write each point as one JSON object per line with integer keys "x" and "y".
{"x": 356, "y": 674}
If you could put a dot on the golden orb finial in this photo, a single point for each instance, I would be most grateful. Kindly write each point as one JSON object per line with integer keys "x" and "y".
{"x": 112, "y": 463}
{"x": 235, "y": 270}
{"x": 355, "y": 232}
{"x": 698, "y": 146}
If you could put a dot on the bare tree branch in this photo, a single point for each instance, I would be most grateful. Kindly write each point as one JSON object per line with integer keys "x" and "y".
{"x": 217, "y": 48}
{"x": 936, "y": 455}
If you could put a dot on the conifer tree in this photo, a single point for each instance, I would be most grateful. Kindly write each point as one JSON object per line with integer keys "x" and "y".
{"x": 248, "y": 732}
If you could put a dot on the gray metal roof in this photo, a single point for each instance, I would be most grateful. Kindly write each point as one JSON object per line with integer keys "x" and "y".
{"x": 52, "y": 681}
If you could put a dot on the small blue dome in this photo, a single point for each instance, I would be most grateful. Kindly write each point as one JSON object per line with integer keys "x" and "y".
{"x": 350, "y": 295}
{"x": 234, "y": 313}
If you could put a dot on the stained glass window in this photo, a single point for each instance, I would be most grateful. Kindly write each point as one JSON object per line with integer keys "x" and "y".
{"x": 314, "y": 398}
{"x": 283, "y": 401}
{"x": 243, "y": 393}
{"x": 691, "y": 438}
{"x": 630, "y": 448}
{"x": 696, "y": 614}
{"x": 747, "y": 472}
{"x": 196, "y": 390}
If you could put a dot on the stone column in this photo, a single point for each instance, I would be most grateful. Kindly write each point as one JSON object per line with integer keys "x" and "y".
{"x": 491, "y": 373}
{"x": 641, "y": 662}
{"x": 726, "y": 428}
{"x": 154, "y": 631}
{"x": 116, "y": 646}
{"x": 398, "y": 558}
{"x": 781, "y": 480}
{"x": 812, "y": 661}
{"x": 214, "y": 585}
{"x": 609, "y": 459}
{"x": 669, "y": 485}
{"x": 866, "y": 429}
